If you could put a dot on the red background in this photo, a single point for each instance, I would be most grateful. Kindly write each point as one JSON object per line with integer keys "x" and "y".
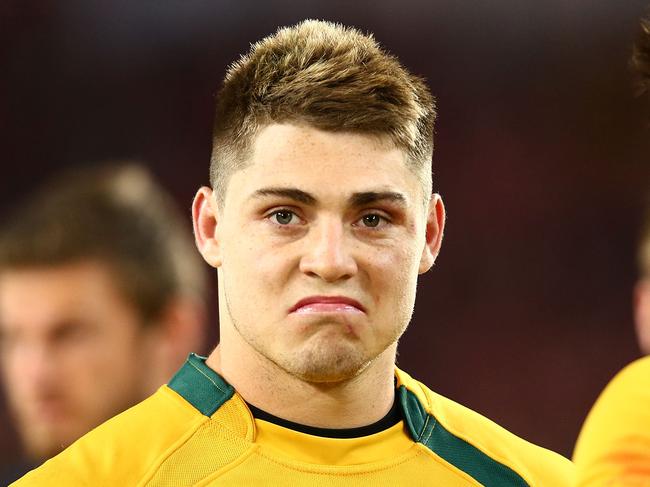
{"x": 541, "y": 156}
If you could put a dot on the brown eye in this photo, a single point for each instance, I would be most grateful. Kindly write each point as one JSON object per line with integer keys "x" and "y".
{"x": 371, "y": 220}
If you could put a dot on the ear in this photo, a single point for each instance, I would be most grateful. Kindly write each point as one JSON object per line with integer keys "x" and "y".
{"x": 205, "y": 219}
{"x": 434, "y": 231}
{"x": 184, "y": 323}
{"x": 642, "y": 313}
{"x": 179, "y": 330}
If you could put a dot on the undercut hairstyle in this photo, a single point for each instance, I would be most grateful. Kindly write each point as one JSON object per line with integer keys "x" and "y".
{"x": 115, "y": 215}
{"x": 327, "y": 76}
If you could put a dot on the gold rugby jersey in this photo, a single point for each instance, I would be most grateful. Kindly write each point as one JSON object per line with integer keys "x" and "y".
{"x": 198, "y": 431}
{"x": 613, "y": 448}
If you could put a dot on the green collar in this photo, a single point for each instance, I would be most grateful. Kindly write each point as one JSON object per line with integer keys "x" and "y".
{"x": 207, "y": 391}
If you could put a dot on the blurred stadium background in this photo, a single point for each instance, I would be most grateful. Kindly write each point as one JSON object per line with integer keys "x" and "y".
{"x": 542, "y": 157}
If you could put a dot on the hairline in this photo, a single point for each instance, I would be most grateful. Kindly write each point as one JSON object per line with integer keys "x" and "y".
{"x": 237, "y": 163}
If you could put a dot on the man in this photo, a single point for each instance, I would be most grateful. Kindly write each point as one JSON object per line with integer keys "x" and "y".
{"x": 319, "y": 220}
{"x": 614, "y": 445}
{"x": 101, "y": 299}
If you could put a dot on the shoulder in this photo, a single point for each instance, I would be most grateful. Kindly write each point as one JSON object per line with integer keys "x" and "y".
{"x": 612, "y": 445}
{"x": 632, "y": 382}
{"x": 186, "y": 431}
{"x": 115, "y": 452}
{"x": 463, "y": 435}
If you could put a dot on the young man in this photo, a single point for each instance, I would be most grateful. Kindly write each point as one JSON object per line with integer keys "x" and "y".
{"x": 614, "y": 445}
{"x": 101, "y": 299}
{"x": 319, "y": 220}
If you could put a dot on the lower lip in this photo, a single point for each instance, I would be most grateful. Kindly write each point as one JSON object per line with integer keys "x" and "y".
{"x": 314, "y": 308}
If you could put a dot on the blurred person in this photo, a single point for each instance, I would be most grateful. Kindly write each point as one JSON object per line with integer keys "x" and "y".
{"x": 319, "y": 220}
{"x": 101, "y": 299}
{"x": 613, "y": 448}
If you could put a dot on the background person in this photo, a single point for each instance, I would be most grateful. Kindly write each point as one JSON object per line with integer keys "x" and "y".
{"x": 614, "y": 445}
{"x": 101, "y": 299}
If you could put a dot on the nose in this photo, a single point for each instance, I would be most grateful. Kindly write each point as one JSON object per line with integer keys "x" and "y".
{"x": 329, "y": 252}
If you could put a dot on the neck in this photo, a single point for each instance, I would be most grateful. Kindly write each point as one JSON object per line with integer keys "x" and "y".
{"x": 351, "y": 403}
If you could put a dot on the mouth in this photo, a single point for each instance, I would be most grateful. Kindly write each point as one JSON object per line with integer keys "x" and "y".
{"x": 327, "y": 304}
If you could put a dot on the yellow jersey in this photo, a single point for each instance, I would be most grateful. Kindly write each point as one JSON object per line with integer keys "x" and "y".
{"x": 198, "y": 431}
{"x": 613, "y": 448}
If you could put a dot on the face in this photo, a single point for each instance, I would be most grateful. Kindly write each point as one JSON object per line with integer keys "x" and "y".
{"x": 69, "y": 352}
{"x": 319, "y": 243}
{"x": 642, "y": 313}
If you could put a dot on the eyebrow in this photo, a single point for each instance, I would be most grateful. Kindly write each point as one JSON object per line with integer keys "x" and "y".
{"x": 368, "y": 197}
{"x": 291, "y": 193}
{"x": 357, "y": 199}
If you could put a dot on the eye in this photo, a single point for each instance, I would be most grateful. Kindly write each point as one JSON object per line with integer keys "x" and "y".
{"x": 373, "y": 220}
{"x": 284, "y": 217}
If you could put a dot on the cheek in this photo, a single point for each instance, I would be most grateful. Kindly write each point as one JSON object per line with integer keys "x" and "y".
{"x": 87, "y": 364}
{"x": 11, "y": 371}
{"x": 240, "y": 256}
{"x": 396, "y": 263}
{"x": 394, "y": 272}
{"x": 104, "y": 349}
{"x": 256, "y": 269}
{"x": 109, "y": 371}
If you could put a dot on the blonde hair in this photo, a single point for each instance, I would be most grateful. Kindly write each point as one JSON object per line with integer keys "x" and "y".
{"x": 330, "y": 77}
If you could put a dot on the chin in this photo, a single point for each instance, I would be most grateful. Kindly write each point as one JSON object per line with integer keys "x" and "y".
{"x": 324, "y": 365}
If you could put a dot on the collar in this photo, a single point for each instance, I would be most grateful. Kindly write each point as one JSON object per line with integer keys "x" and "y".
{"x": 207, "y": 391}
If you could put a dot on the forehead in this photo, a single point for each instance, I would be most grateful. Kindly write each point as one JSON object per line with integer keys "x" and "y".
{"x": 41, "y": 297}
{"x": 324, "y": 163}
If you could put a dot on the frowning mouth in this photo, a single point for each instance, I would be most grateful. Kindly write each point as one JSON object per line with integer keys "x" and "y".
{"x": 327, "y": 304}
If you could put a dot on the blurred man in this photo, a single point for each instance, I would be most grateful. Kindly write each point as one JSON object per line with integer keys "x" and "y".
{"x": 319, "y": 220}
{"x": 101, "y": 299}
{"x": 613, "y": 448}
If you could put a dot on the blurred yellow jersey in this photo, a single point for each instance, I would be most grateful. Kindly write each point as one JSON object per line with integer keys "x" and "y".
{"x": 613, "y": 448}
{"x": 198, "y": 431}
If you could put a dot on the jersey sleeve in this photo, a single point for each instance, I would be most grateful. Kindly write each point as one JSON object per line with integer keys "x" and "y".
{"x": 614, "y": 445}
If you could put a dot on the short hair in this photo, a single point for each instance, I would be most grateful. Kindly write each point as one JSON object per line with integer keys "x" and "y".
{"x": 328, "y": 76}
{"x": 116, "y": 215}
